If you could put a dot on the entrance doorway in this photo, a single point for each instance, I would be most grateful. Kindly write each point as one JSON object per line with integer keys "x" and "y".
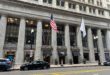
{"x": 47, "y": 55}
{"x": 29, "y": 55}
{"x": 75, "y": 57}
{"x": 46, "y": 58}
{"x": 61, "y": 59}
{"x": 62, "y": 55}
{"x": 75, "y": 61}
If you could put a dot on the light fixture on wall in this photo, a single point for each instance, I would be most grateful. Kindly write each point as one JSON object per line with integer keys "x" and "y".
{"x": 10, "y": 20}
{"x": 46, "y": 25}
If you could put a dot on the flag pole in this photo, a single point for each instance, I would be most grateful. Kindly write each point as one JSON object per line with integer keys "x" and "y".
{"x": 83, "y": 35}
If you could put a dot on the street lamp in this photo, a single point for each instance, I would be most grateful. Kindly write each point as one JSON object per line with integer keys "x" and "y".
{"x": 96, "y": 38}
{"x": 32, "y": 31}
{"x": 31, "y": 42}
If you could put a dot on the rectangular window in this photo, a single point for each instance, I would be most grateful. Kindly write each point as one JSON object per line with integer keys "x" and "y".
{"x": 12, "y": 30}
{"x": 47, "y": 1}
{"x": 60, "y": 3}
{"x": 60, "y": 36}
{"x": 82, "y": 8}
{"x": 50, "y": 1}
{"x": 101, "y": 12}
{"x": 44, "y": 1}
{"x": 30, "y": 32}
{"x": 90, "y": 10}
{"x": 93, "y": 11}
{"x": 72, "y": 6}
{"x": 99, "y": 3}
{"x": 46, "y": 38}
{"x": 60, "y": 39}
{"x": 72, "y": 31}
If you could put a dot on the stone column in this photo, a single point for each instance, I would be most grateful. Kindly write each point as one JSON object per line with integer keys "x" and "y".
{"x": 67, "y": 44}
{"x": 79, "y": 44}
{"x": 96, "y": 11}
{"x": 100, "y": 46}
{"x": 108, "y": 40}
{"x": 77, "y": 7}
{"x": 3, "y": 22}
{"x": 20, "y": 46}
{"x": 87, "y": 9}
{"x": 38, "y": 52}
{"x": 54, "y": 3}
{"x": 106, "y": 13}
{"x": 40, "y": 2}
{"x": 90, "y": 45}
{"x": 66, "y": 5}
{"x": 104, "y": 3}
{"x": 95, "y": 2}
{"x": 55, "y": 58}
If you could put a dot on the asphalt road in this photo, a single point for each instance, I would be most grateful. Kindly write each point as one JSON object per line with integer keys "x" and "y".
{"x": 102, "y": 70}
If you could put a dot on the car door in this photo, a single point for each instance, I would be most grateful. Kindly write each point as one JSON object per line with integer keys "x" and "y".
{"x": 33, "y": 65}
{"x": 38, "y": 65}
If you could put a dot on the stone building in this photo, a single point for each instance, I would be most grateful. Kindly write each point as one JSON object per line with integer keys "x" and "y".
{"x": 25, "y": 30}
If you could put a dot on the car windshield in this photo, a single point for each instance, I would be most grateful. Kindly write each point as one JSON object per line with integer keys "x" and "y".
{"x": 2, "y": 60}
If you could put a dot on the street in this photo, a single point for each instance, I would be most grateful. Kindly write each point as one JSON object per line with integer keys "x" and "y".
{"x": 93, "y": 70}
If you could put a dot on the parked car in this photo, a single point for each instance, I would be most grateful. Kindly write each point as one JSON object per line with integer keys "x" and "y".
{"x": 107, "y": 63}
{"x": 35, "y": 65}
{"x": 5, "y": 64}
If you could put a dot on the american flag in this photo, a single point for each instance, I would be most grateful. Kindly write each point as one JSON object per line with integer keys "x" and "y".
{"x": 53, "y": 24}
{"x": 82, "y": 28}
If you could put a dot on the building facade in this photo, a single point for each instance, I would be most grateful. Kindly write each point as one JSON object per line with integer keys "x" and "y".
{"x": 25, "y": 32}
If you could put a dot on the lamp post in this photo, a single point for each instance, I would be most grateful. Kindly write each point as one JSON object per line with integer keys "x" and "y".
{"x": 96, "y": 38}
{"x": 31, "y": 42}
{"x": 32, "y": 31}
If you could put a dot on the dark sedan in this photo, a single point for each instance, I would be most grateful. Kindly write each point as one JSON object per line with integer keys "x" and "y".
{"x": 107, "y": 63}
{"x": 35, "y": 65}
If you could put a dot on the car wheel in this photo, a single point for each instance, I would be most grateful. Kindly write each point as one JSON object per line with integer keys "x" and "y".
{"x": 25, "y": 68}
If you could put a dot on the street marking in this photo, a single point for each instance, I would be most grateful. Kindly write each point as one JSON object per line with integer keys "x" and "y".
{"x": 56, "y": 74}
{"x": 96, "y": 74}
{"x": 73, "y": 72}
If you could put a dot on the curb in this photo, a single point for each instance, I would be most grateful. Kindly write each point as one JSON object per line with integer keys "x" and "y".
{"x": 65, "y": 66}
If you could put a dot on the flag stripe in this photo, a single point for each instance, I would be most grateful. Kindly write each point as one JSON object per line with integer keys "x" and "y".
{"x": 53, "y": 24}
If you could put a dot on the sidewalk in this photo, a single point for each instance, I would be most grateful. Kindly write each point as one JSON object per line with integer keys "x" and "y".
{"x": 65, "y": 65}
{"x": 74, "y": 65}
